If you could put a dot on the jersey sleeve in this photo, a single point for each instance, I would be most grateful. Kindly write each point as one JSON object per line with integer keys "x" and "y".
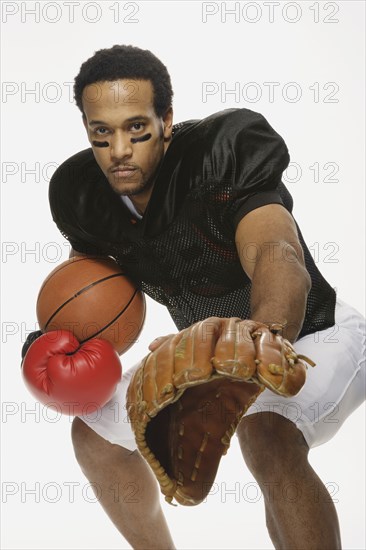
{"x": 66, "y": 200}
{"x": 83, "y": 248}
{"x": 258, "y": 157}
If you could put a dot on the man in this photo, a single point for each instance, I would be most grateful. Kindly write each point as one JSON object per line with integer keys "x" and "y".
{"x": 198, "y": 216}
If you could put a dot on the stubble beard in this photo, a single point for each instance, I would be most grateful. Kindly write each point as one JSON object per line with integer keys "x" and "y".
{"x": 130, "y": 187}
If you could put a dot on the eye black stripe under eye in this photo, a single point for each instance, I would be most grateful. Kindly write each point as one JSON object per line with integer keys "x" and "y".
{"x": 100, "y": 143}
{"x": 140, "y": 139}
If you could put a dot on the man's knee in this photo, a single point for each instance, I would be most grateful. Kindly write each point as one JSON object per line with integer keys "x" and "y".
{"x": 268, "y": 440}
{"x": 84, "y": 440}
{"x": 91, "y": 450}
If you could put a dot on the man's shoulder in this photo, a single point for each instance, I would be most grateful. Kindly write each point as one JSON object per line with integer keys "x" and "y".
{"x": 231, "y": 144}
{"x": 78, "y": 188}
{"x": 75, "y": 176}
{"x": 77, "y": 163}
{"x": 226, "y": 134}
{"x": 229, "y": 121}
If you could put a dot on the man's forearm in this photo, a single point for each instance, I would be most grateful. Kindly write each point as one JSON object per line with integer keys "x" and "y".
{"x": 279, "y": 292}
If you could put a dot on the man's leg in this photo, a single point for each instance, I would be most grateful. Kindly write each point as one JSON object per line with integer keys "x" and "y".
{"x": 300, "y": 513}
{"x": 129, "y": 491}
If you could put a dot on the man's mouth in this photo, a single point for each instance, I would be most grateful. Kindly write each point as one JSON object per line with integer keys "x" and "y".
{"x": 123, "y": 171}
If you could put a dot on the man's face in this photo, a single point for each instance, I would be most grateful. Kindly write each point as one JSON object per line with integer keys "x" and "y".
{"x": 117, "y": 115}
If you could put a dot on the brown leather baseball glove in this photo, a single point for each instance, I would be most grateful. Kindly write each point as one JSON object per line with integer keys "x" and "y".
{"x": 187, "y": 397}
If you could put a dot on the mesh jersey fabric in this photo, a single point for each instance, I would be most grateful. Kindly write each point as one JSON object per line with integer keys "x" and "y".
{"x": 182, "y": 252}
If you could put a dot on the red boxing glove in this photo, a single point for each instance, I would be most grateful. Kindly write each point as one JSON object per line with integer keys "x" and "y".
{"x": 78, "y": 379}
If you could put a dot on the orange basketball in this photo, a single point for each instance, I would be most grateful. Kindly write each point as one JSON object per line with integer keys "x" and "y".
{"x": 93, "y": 298}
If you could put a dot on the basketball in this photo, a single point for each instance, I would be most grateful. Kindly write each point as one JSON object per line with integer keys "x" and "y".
{"x": 92, "y": 298}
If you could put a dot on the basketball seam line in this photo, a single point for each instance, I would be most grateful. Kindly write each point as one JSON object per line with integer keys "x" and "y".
{"x": 81, "y": 292}
{"x": 112, "y": 321}
{"x": 76, "y": 259}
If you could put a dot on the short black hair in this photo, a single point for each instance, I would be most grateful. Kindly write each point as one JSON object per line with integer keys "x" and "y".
{"x": 121, "y": 62}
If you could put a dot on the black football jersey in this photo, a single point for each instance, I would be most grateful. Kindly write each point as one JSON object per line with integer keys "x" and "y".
{"x": 182, "y": 252}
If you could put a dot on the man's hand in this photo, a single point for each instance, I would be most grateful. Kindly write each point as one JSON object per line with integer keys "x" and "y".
{"x": 158, "y": 342}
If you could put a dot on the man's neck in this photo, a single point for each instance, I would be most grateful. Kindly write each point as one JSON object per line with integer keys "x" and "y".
{"x": 140, "y": 202}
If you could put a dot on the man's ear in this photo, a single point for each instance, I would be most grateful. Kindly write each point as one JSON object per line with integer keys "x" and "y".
{"x": 168, "y": 124}
{"x": 85, "y": 122}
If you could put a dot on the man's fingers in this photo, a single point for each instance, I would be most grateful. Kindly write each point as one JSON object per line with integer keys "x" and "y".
{"x": 158, "y": 341}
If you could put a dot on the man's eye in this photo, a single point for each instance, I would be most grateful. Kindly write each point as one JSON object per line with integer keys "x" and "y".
{"x": 101, "y": 131}
{"x": 138, "y": 126}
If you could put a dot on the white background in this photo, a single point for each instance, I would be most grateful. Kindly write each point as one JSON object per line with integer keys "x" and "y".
{"x": 296, "y": 46}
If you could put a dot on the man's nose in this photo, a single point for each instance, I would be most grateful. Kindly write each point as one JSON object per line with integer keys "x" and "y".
{"x": 121, "y": 147}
